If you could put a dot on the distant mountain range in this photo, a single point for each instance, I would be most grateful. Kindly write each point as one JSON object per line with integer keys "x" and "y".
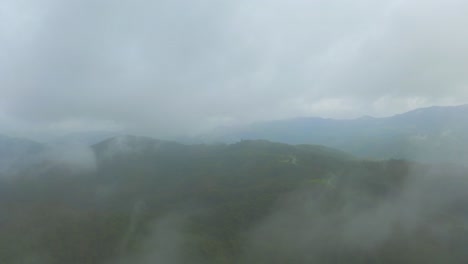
{"x": 433, "y": 134}
{"x": 425, "y": 134}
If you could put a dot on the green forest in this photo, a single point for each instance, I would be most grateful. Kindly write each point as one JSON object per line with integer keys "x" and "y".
{"x": 150, "y": 201}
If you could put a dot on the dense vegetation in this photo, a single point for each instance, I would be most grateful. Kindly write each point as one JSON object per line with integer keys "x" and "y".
{"x": 149, "y": 201}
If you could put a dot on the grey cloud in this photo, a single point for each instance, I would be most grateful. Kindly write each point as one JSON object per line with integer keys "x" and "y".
{"x": 77, "y": 157}
{"x": 175, "y": 67}
{"x": 304, "y": 230}
{"x": 167, "y": 242}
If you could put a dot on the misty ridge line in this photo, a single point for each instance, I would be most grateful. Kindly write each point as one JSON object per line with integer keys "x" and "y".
{"x": 94, "y": 137}
{"x": 434, "y": 134}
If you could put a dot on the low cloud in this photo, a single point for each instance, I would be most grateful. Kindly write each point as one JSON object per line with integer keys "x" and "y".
{"x": 76, "y": 157}
{"x": 167, "y": 242}
{"x": 165, "y": 68}
{"x": 327, "y": 227}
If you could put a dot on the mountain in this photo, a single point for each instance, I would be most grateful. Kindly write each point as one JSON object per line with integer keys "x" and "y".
{"x": 84, "y": 138}
{"x": 426, "y": 134}
{"x": 17, "y": 152}
{"x": 255, "y": 201}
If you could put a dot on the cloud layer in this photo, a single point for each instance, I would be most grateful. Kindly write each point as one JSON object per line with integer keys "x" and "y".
{"x": 166, "y": 68}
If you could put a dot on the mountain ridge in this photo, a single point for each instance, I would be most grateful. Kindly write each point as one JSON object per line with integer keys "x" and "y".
{"x": 431, "y": 134}
{"x": 416, "y": 134}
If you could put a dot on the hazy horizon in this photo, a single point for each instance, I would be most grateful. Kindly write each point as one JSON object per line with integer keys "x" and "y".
{"x": 106, "y": 133}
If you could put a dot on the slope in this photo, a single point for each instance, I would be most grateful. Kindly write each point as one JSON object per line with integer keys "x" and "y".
{"x": 152, "y": 201}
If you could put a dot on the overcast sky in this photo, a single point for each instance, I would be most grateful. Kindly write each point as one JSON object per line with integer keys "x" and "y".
{"x": 172, "y": 67}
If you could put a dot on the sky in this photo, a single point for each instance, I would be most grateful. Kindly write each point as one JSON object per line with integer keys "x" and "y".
{"x": 167, "y": 68}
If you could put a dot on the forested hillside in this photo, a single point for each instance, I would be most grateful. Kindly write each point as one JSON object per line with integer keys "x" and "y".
{"x": 140, "y": 200}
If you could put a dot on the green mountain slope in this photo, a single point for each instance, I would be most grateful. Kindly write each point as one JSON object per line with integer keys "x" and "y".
{"x": 151, "y": 201}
